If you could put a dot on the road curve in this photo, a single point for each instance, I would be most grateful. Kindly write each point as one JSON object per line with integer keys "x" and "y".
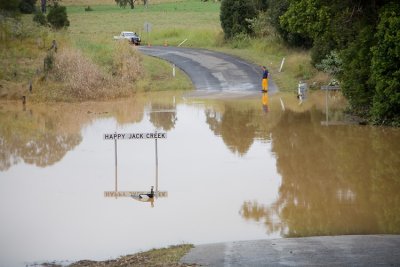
{"x": 213, "y": 71}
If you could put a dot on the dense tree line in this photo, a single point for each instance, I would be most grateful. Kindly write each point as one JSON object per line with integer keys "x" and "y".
{"x": 356, "y": 41}
{"x": 131, "y": 3}
{"x": 56, "y": 17}
{"x": 23, "y": 6}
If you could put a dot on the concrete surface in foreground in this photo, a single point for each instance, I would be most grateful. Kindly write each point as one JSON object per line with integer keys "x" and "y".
{"x": 368, "y": 250}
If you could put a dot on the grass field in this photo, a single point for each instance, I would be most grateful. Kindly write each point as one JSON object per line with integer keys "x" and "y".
{"x": 172, "y": 22}
{"x": 91, "y": 32}
{"x": 194, "y": 20}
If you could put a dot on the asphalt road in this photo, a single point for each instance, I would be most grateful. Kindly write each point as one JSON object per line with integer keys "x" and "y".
{"x": 368, "y": 250}
{"x": 213, "y": 71}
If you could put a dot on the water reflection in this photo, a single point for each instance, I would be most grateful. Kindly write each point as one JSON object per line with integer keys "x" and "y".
{"x": 287, "y": 174}
{"x": 142, "y": 196}
{"x": 42, "y": 134}
{"x": 163, "y": 114}
{"x": 36, "y": 136}
{"x": 240, "y": 123}
{"x": 265, "y": 101}
{"x": 335, "y": 180}
{"x": 235, "y": 126}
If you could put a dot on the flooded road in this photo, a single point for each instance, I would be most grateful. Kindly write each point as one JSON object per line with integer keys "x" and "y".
{"x": 232, "y": 170}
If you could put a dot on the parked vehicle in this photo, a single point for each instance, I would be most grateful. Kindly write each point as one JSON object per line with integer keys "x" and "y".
{"x": 131, "y": 36}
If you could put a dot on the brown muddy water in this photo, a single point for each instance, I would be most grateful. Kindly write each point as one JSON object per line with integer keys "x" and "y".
{"x": 232, "y": 169}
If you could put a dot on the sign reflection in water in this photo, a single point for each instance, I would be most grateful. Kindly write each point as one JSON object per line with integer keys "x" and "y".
{"x": 232, "y": 173}
{"x": 136, "y": 194}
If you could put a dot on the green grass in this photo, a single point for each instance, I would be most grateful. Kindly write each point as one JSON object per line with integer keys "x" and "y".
{"x": 166, "y": 7}
{"x": 196, "y": 21}
{"x": 158, "y": 71}
{"x": 172, "y": 22}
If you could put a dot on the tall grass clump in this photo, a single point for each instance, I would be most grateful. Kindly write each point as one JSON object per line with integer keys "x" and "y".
{"x": 127, "y": 63}
{"x": 82, "y": 79}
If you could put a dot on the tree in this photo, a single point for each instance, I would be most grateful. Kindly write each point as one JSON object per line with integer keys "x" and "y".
{"x": 365, "y": 35}
{"x": 276, "y": 9}
{"x": 385, "y": 68}
{"x": 9, "y": 5}
{"x": 27, "y": 6}
{"x": 40, "y": 18}
{"x": 124, "y": 3}
{"x": 356, "y": 72}
{"x": 57, "y": 16}
{"x": 261, "y": 5}
{"x": 235, "y": 16}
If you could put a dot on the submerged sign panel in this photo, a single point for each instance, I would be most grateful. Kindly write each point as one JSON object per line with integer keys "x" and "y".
{"x": 132, "y": 136}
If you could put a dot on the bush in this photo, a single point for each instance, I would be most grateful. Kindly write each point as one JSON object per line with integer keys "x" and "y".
{"x": 81, "y": 77}
{"x": 235, "y": 17}
{"x": 9, "y": 5}
{"x": 240, "y": 41}
{"x": 57, "y": 16}
{"x": 385, "y": 67}
{"x": 356, "y": 72}
{"x": 27, "y": 6}
{"x": 49, "y": 62}
{"x": 126, "y": 63}
{"x": 277, "y": 8}
{"x": 261, "y": 25}
{"x": 88, "y": 9}
{"x": 40, "y": 18}
{"x": 332, "y": 64}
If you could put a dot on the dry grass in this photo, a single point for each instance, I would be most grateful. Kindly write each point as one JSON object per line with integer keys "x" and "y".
{"x": 127, "y": 65}
{"x": 172, "y": 21}
{"x": 82, "y": 78}
{"x": 77, "y": 77}
{"x": 154, "y": 258}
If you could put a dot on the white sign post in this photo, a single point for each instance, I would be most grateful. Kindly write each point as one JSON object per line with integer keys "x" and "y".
{"x": 133, "y": 136}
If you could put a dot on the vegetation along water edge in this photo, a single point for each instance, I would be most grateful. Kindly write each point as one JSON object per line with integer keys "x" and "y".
{"x": 352, "y": 44}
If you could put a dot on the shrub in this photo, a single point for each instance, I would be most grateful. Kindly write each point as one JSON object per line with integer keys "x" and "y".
{"x": 9, "y": 5}
{"x": 57, "y": 16}
{"x": 88, "y": 9}
{"x": 332, "y": 64}
{"x": 49, "y": 62}
{"x": 40, "y": 18}
{"x": 385, "y": 67}
{"x": 82, "y": 78}
{"x": 355, "y": 75}
{"x": 126, "y": 63}
{"x": 261, "y": 25}
{"x": 235, "y": 16}
{"x": 27, "y": 6}
{"x": 240, "y": 41}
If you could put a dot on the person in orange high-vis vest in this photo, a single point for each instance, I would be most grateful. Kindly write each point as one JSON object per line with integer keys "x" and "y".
{"x": 265, "y": 79}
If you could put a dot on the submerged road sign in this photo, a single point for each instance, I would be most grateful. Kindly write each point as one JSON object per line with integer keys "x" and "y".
{"x": 133, "y": 136}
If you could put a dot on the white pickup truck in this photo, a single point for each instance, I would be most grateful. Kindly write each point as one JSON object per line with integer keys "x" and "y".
{"x": 131, "y": 36}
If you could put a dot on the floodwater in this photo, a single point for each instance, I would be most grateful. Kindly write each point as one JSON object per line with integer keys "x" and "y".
{"x": 229, "y": 169}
